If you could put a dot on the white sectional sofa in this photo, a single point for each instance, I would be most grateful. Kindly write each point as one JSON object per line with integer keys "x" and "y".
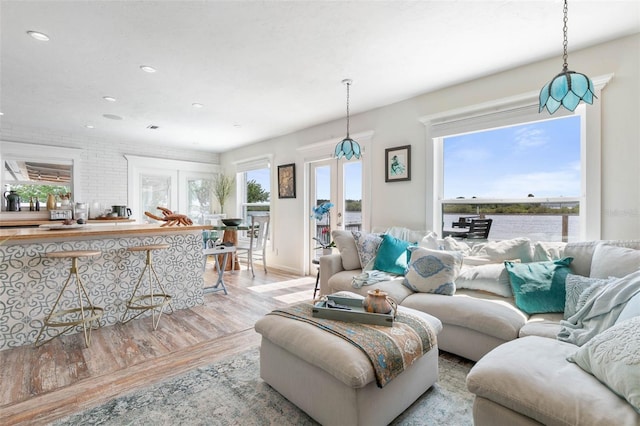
{"x": 521, "y": 363}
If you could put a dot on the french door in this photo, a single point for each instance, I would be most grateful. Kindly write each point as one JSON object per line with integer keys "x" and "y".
{"x": 338, "y": 183}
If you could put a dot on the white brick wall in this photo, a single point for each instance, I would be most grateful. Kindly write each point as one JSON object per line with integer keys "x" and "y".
{"x": 103, "y": 173}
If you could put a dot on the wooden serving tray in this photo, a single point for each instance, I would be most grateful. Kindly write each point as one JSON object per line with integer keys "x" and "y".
{"x": 356, "y": 314}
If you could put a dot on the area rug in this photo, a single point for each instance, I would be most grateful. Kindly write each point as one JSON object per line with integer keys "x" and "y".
{"x": 230, "y": 392}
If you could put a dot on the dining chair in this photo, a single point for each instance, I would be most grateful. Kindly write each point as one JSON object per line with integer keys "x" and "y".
{"x": 255, "y": 246}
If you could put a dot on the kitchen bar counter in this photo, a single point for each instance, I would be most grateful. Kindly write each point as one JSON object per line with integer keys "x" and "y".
{"x": 30, "y": 281}
{"x": 13, "y": 235}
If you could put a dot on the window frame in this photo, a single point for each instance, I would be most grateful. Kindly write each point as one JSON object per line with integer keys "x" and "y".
{"x": 241, "y": 169}
{"x": 45, "y": 154}
{"x": 520, "y": 109}
{"x": 178, "y": 170}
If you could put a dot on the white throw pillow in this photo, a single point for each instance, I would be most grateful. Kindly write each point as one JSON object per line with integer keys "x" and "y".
{"x": 499, "y": 251}
{"x": 367, "y": 246}
{"x": 432, "y": 271}
{"x": 613, "y": 357}
{"x": 347, "y": 247}
{"x": 451, "y": 244}
{"x": 548, "y": 251}
{"x": 493, "y": 278}
{"x": 614, "y": 261}
{"x": 430, "y": 241}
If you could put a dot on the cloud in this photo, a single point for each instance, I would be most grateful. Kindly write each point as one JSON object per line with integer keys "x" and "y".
{"x": 530, "y": 137}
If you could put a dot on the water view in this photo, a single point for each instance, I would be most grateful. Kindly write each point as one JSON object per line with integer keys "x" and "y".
{"x": 534, "y": 227}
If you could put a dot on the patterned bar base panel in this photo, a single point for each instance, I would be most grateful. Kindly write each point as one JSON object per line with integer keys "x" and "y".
{"x": 30, "y": 282}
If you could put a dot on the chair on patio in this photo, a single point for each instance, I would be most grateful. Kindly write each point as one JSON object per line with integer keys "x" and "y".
{"x": 257, "y": 242}
{"x": 479, "y": 229}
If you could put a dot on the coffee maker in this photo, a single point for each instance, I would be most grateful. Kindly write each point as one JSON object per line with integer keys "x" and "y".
{"x": 13, "y": 201}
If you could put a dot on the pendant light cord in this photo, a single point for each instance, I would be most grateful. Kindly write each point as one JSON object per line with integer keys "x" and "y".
{"x": 348, "y": 84}
{"x": 565, "y": 55}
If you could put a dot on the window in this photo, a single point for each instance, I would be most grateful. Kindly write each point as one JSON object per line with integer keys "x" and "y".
{"x": 518, "y": 110}
{"x": 253, "y": 183}
{"x": 35, "y": 171}
{"x": 527, "y": 178}
{"x": 181, "y": 186}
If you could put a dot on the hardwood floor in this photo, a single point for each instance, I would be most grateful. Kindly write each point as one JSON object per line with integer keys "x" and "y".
{"x": 40, "y": 385}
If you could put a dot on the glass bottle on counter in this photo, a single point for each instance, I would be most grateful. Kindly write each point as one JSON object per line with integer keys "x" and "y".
{"x": 37, "y": 204}
{"x": 51, "y": 202}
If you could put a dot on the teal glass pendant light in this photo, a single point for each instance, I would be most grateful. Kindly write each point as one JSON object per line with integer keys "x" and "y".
{"x": 567, "y": 88}
{"x": 347, "y": 147}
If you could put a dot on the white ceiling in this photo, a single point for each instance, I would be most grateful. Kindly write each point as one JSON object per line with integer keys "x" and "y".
{"x": 265, "y": 68}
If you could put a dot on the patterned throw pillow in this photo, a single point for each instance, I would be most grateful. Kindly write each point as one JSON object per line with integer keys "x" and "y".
{"x": 613, "y": 357}
{"x": 539, "y": 287}
{"x": 367, "y": 245}
{"x": 432, "y": 271}
{"x": 578, "y": 290}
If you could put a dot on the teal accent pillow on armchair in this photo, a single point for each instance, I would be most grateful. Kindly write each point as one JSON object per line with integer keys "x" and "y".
{"x": 539, "y": 287}
{"x": 392, "y": 255}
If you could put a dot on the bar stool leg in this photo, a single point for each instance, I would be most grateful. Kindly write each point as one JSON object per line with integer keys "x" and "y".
{"x": 85, "y": 318}
{"x": 155, "y": 300}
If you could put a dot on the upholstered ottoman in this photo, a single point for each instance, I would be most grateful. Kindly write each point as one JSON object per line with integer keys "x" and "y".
{"x": 332, "y": 380}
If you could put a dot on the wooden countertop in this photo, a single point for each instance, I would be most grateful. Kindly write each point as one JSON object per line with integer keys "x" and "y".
{"x": 37, "y": 222}
{"x": 22, "y": 235}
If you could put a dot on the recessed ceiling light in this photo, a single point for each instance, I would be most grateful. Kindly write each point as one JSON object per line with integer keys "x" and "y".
{"x": 1, "y": 113}
{"x": 112, "y": 116}
{"x": 109, "y": 98}
{"x": 196, "y": 105}
{"x": 147, "y": 68}
{"x": 89, "y": 126}
{"x": 38, "y": 36}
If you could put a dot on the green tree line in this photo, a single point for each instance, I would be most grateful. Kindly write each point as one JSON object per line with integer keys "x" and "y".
{"x": 350, "y": 205}
{"x": 529, "y": 209}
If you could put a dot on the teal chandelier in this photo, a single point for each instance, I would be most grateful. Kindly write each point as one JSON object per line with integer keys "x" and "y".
{"x": 568, "y": 88}
{"x": 347, "y": 147}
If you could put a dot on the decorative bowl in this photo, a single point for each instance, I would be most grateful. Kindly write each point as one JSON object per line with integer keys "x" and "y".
{"x": 232, "y": 222}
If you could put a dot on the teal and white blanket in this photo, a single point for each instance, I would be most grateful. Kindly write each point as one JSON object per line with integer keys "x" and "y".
{"x": 371, "y": 277}
{"x": 600, "y": 311}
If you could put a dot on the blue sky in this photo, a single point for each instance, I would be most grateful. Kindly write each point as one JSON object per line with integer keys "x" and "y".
{"x": 353, "y": 181}
{"x": 541, "y": 158}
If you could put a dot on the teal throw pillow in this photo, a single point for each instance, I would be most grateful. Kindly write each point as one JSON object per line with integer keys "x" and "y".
{"x": 392, "y": 255}
{"x": 539, "y": 287}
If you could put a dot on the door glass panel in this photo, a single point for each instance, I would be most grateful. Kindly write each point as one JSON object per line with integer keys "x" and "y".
{"x": 155, "y": 191}
{"x": 321, "y": 228}
{"x": 353, "y": 196}
{"x": 200, "y": 195}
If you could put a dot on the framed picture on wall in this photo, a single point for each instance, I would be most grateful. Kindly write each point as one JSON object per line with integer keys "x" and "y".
{"x": 287, "y": 181}
{"x": 397, "y": 162}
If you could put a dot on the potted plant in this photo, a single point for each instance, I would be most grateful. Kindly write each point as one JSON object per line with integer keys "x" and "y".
{"x": 222, "y": 186}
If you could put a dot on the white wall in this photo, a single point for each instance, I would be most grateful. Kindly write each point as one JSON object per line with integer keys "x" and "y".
{"x": 406, "y": 203}
{"x": 103, "y": 173}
